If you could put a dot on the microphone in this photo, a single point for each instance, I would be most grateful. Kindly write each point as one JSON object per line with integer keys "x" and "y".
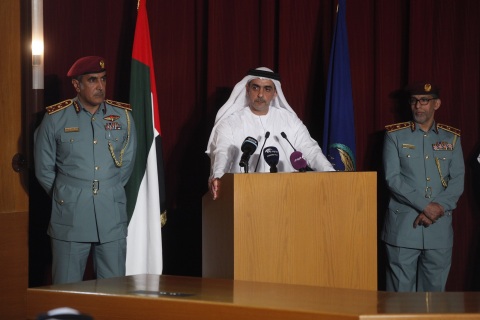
{"x": 271, "y": 156}
{"x": 296, "y": 155}
{"x": 298, "y": 163}
{"x": 267, "y": 134}
{"x": 285, "y": 137}
{"x": 249, "y": 146}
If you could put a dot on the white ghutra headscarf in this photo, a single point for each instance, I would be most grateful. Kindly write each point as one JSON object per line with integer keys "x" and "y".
{"x": 238, "y": 98}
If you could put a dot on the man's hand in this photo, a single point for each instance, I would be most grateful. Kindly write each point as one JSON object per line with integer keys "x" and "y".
{"x": 214, "y": 186}
{"x": 422, "y": 220}
{"x": 434, "y": 211}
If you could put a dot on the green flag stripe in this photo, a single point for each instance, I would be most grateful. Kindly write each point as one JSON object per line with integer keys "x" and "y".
{"x": 141, "y": 102}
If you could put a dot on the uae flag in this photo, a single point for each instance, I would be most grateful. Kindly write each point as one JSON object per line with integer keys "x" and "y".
{"x": 145, "y": 189}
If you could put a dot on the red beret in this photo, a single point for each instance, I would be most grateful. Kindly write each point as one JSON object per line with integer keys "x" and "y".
{"x": 425, "y": 87}
{"x": 89, "y": 64}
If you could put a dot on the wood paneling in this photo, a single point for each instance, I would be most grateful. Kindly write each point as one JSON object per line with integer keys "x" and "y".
{"x": 13, "y": 194}
{"x": 13, "y": 264}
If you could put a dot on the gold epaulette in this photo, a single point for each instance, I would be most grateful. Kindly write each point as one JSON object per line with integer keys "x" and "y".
{"x": 119, "y": 104}
{"x": 453, "y": 130}
{"x": 59, "y": 106}
{"x": 400, "y": 126}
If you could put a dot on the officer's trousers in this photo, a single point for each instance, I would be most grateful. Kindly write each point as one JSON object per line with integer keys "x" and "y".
{"x": 422, "y": 270}
{"x": 70, "y": 259}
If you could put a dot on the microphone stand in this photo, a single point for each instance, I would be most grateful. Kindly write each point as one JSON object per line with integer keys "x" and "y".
{"x": 267, "y": 134}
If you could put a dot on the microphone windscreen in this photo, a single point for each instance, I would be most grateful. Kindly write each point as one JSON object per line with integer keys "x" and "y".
{"x": 297, "y": 161}
{"x": 249, "y": 145}
{"x": 271, "y": 156}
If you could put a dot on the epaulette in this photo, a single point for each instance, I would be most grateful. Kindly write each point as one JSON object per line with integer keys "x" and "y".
{"x": 59, "y": 106}
{"x": 119, "y": 104}
{"x": 453, "y": 130}
{"x": 400, "y": 126}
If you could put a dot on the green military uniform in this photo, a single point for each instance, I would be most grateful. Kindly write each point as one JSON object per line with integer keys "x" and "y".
{"x": 83, "y": 161}
{"x": 421, "y": 167}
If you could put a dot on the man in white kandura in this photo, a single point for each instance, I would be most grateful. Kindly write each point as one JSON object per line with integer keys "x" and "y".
{"x": 258, "y": 109}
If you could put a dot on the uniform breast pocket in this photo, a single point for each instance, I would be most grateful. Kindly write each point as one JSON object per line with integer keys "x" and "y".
{"x": 409, "y": 160}
{"x": 443, "y": 159}
{"x": 116, "y": 138}
{"x": 67, "y": 141}
{"x": 408, "y": 154}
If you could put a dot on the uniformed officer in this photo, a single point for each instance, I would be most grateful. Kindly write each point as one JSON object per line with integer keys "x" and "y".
{"x": 424, "y": 170}
{"x": 84, "y": 155}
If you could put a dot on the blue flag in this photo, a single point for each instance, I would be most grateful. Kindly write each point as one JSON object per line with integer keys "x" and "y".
{"x": 339, "y": 127}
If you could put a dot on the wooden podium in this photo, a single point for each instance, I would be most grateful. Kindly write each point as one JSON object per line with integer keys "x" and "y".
{"x": 311, "y": 228}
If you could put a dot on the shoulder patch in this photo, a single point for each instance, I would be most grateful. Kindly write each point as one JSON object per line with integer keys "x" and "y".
{"x": 400, "y": 126}
{"x": 119, "y": 104}
{"x": 453, "y": 130}
{"x": 59, "y": 106}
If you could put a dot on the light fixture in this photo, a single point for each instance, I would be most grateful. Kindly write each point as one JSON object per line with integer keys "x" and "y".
{"x": 37, "y": 44}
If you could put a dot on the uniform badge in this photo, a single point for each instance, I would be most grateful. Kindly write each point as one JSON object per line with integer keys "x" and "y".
{"x": 111, "y": 117}
{"x": 71, "y": 129}
{"x": 408, "y": 146}
{"x": 113, "y": 126}
{"x": 442, "y": 146}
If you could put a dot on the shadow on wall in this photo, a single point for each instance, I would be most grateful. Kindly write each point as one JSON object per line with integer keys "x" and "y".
{"x": 182, "y": 235}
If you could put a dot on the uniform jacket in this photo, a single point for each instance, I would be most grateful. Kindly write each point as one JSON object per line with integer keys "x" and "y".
{"x": 421, "y": 167}
{"x": 75, "y": 162}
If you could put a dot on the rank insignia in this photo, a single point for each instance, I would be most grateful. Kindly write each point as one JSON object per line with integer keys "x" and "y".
{"x": 400, "y": 126}
{"x": 59, "y": 106}
{"x": 442, "y": 146}
{"x": 113, "y": 126}
{"x": 111, "y": 117}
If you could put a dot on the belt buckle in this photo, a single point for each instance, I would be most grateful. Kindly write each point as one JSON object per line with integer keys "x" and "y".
{"x": 95, "y": 187}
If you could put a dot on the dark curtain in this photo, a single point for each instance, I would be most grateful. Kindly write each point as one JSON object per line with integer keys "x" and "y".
{"x": 202, "y": 48}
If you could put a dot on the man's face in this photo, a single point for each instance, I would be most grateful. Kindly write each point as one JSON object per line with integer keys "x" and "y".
{"x": 91, "y": 88}
{"x": 423, "y": 114}
{"x": 260, "y": 93}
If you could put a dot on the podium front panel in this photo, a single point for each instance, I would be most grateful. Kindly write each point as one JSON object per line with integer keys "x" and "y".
{"x": 299, "y": 228}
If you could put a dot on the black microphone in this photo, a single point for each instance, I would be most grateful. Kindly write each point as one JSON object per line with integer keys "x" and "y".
{"x": 249, "y": 146}
{"x": 271, "y": 156}
{"x": 285, "y": 137}
{"x": 298, "y": 162}
{"x": 267, "y": 134}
